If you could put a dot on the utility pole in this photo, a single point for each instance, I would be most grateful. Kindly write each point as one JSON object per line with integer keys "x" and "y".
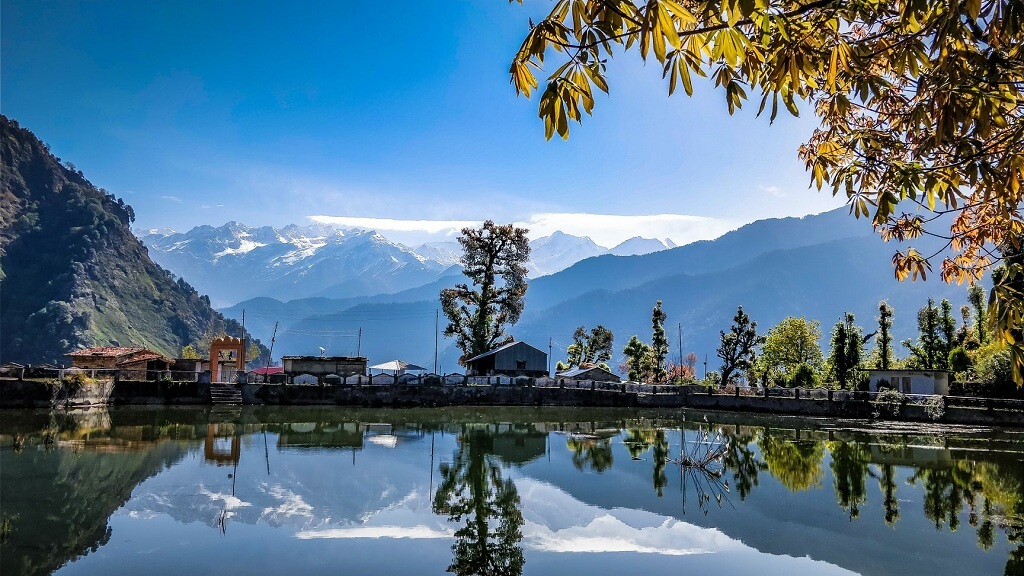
{"x": 436, "y": 318}
{"x": 270, "y": 360}
{"x": 359, "y": 342}
{"x": 244, "y": 347}
{"x": 680, "y": 350}
{"x": 705, "y": 366}
{"x": 549, "y": 355}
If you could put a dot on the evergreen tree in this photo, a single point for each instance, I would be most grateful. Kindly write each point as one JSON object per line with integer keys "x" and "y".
{"x": 930, "y": 352}
{"x": 738, "y": 346}
{"x": 594, "y": 347}
{"x": 947, "y": 326}
{"x": 847, "y": 344}
{"x": 884, "y": 338}
{"x": 976, "y": 296}
{"x": 639, "y": 359}
{"x": 659, "y": 342}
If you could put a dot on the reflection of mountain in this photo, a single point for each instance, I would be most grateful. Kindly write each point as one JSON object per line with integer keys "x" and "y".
{"x": 59, "y": 501}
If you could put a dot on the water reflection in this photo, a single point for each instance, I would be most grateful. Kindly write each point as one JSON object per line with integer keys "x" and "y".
{"x": 474, "y": 495}
{"x": 500, "y": 489}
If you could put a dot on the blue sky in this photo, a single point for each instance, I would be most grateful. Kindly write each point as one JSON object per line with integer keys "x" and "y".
{"x": 274, "y": 112}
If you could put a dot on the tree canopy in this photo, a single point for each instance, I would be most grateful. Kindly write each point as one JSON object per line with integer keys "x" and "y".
{"x": 918, "y": 102}
{"x": 788, "y": 345}
{"x": 493, "y": 258}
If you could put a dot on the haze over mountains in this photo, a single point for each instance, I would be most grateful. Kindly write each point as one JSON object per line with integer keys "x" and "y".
{"x": 817, "y": 266}
{"x": 235, "y": 262}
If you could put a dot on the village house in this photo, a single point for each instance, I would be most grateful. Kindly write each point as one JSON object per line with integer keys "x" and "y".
{"x": 512, "y": 359}
{"x": 910, "y": 381}
{"x": 589, "y": 372}
{"x": 314, "y": 369}
{"x": 131, "y": 362}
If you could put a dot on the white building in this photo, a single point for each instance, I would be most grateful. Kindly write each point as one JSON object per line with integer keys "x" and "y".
{"x": 910, "y": 381}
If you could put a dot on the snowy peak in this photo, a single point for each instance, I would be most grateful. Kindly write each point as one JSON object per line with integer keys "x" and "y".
{"x": 558, "y": 251}
{"x": 637, "y": 246}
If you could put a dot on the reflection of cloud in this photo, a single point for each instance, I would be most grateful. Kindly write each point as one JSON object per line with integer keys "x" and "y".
{"x": 605, "y": 229}
{"x": 291, "y": 505}
{"x": 413, "y": 532}
{"x": 386, "y": 440}
{"x": 557, "y": 522}
{"x": 228, "y": 502}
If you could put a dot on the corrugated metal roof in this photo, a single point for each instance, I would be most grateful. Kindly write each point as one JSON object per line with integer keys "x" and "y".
{"x": 498, "y": 349}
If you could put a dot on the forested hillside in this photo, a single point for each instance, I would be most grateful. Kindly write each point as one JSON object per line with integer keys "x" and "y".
{"x": 71, "y": 272}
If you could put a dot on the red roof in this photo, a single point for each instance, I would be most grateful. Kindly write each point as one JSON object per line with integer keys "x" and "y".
{"x": 108, "y": 351}
{"x": 270, "y": 370}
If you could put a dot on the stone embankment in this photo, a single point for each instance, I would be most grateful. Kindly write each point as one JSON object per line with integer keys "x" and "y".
{"x": 818, "y": 403}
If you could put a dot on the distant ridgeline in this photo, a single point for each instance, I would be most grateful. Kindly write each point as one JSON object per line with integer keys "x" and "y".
{"x": 72, "y": 275}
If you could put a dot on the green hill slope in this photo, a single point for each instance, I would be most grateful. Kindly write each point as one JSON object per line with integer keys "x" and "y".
{"x": 72, "y": 274}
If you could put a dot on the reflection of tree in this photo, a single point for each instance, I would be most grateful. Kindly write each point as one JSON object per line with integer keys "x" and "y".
{"x": 472, "y": 491}
{"x": 797, "y": 465}
{"x": 887, "y": 484}
{"x": 849, "y": 471}
{"x": 742, "y": 461}
{"x": 945, "y": 492}
{"x": 639, "y": 441}
{"x": 595, "y": 453}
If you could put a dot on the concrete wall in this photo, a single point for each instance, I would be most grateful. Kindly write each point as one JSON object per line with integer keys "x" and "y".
{"x": 36, "y": 394}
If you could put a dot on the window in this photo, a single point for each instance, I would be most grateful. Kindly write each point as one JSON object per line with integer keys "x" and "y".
{"x": 895, "y": 382}
{"x": 520, "y": 364}
{"x": 906, "y": 384}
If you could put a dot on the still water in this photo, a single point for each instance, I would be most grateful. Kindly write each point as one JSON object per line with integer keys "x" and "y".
{"x": 502, "y": 491}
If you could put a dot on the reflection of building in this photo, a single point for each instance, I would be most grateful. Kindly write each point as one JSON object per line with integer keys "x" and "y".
{"x": 322, "y": 367}
{"x": 223, "y": 449}
{"x": 139, "y": 363}
{"x": 910, "y": 381}
{"x": 512, "y": 359}
{"x": 306, "y": 436}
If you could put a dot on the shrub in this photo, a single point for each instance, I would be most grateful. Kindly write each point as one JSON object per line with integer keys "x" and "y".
{"x": 803, "y": 377}
{"x": 934, "y": 407}
{"x": 959, "y": 361}
{"x": 889, "y": 403}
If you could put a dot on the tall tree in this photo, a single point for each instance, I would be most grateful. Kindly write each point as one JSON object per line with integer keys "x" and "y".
{"x": 659, "y": 342}
{"x": 847, "y": 344}
{"x": 594, "y": 347}
{"x": 788, "y": 344}
{"x": 947, "y": 326}
{"x": 738, "y": 346}
{"x": 930, "y": 351}
{"x": 883, "y": 339}
{"x": 639, "y": 359}
{"x": 918, "y": 102}
{"x": 493, "y": 258}
{"x": 976, "y": 296}
{"x": 1006, "y": 304}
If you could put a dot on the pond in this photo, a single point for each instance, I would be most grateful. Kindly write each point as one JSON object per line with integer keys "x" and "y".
{"x": 532, "y": 491}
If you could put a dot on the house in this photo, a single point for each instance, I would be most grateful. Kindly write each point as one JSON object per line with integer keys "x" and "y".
{"x": 512, "y": 359}
{"x": 133, "y": 362}
{"x": 589, "y": 372}
{"x": 320, "y": 367}
{"x": 910, "y": 381}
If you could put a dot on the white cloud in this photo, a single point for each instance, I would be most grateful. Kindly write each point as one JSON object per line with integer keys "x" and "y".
{"x": 605, "y": 229}
{"x": 773, "y": 190}
{"x": 171, "y": 198}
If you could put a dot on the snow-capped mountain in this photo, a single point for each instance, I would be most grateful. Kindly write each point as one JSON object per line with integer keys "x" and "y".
{"x": 637, "y": 246}
{"x": 557, "y": 252}
{"x": 235, "y": 262}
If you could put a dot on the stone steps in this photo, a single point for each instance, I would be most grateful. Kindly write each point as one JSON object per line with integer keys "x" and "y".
{"x": 225, "y": 394}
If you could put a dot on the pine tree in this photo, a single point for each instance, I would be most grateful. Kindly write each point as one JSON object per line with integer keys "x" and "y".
{"x": 976, "y": 296}
{"x": 659, "y": 342}
{"x": 847, "y": 344}
{"x": 884, "y": 337}
{"x": 738, "y": 346}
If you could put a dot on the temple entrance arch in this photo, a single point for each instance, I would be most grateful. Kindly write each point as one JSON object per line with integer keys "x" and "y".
{"x": 228, "y": 351}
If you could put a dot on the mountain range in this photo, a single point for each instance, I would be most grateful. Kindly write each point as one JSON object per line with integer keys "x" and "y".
{"x": 235, "y": 262}
{"x": 818, "y": 266}
{"x": 73, "y": 275}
